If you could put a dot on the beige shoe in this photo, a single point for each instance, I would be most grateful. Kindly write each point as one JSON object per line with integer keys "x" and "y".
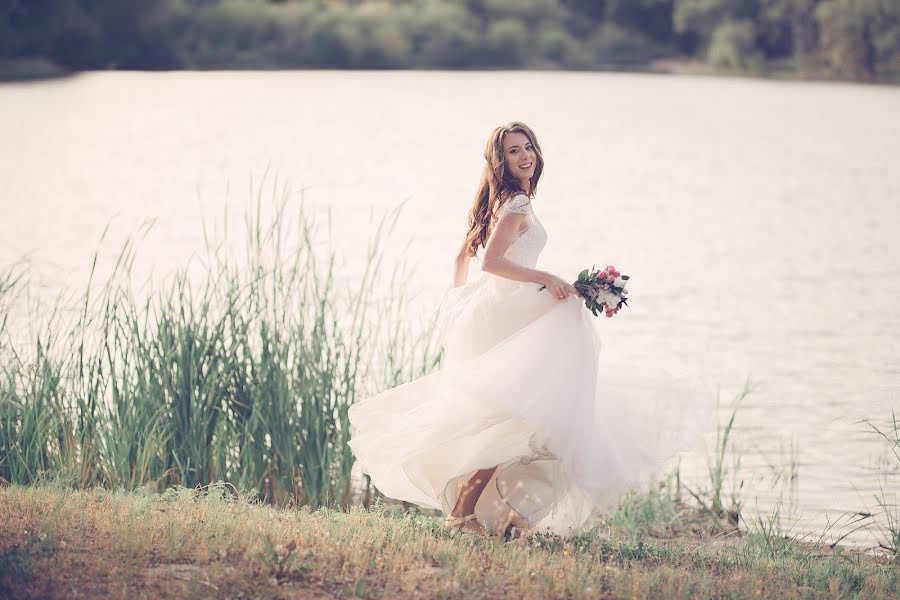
{"x": 456, "y": 524}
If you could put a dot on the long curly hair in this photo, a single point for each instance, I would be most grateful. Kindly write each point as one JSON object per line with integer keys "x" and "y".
{"x": 497, "y": 184}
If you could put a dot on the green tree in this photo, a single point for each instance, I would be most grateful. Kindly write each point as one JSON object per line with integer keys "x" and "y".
{"x": 584, "y": 16}
{"x": 732, "y": 46}
{"x": 651, "y": 18}
{"x": 227, "y": 33}
{"x": 56, "y": 29}
{"x": 530, "y": 12}
{"x": 614, "y": 46}
{"x": 841, "y": 38}
{"x": 723, "y": 31}
{"x": 702, "y": 17}
{"x": 375, "y": 34}
{"x": 554, "y": 43}
{"x": 445, "y": 34}
{"x": 859, "y": 38}
{"x": 787, "y": 28}
{"x": 507, "y": 42}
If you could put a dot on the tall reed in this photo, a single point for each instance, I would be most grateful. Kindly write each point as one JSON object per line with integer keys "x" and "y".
{"x": 717, "y": 470}
{"x": 237, "y": 368}
{"x": 887, "y": 517}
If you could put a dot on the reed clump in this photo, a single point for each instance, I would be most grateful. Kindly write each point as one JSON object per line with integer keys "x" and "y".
{"x": 238, "y": 368}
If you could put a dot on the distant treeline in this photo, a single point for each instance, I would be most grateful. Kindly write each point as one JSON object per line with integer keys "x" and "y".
{"x": 854, "y": 39}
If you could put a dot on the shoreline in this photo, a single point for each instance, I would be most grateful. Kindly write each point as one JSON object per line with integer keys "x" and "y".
{"x": 39, "y": 69}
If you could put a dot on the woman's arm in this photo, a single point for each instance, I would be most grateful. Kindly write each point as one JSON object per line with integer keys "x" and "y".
{"x": 461, "y": 267}
{"x": 502, "y": 235}
{"x": 499, "y": 240}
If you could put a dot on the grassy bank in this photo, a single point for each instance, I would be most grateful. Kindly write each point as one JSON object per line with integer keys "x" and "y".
{"x": 56, "y": 542}
{"x": 191, "y": 439}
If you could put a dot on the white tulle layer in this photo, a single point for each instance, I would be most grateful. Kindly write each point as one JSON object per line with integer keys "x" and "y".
{"x": 523, "y": 387}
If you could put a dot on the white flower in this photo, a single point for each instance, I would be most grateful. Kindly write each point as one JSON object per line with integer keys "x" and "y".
{"x": 619, "y": 282}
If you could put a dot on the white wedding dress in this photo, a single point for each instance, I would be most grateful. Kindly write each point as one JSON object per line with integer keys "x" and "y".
{"x": 522, "y": 385}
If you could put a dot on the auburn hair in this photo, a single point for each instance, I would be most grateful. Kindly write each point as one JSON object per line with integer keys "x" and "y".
{"x": 497, "y": 184}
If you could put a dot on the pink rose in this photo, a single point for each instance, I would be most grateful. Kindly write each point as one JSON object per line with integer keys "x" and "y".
{"x": 601, "y": 276}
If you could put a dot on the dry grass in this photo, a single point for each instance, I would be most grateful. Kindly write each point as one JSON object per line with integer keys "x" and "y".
{"x": 56, "y": 542}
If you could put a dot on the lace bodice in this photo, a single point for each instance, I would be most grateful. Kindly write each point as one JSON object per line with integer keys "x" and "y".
{"x": 527, "y": 245}
{"x": 482, "y": 298}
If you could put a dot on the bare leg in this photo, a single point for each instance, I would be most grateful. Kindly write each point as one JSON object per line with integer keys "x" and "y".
{"x": 468, "y": 496}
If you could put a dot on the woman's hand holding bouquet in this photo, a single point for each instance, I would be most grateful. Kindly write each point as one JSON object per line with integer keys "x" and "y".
{"x": 602, "y": 290}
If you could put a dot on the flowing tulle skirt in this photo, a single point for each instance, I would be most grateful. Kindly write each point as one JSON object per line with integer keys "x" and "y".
{"x": 523, "y": 387}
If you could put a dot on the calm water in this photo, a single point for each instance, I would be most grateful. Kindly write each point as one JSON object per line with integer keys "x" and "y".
{"x": 759, "y": 220}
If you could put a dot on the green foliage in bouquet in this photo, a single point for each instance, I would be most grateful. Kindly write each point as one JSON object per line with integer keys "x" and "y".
{"x": 596, "y": 290}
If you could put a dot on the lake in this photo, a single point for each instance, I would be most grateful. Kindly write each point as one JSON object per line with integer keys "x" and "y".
{"x": 759, "y": 220}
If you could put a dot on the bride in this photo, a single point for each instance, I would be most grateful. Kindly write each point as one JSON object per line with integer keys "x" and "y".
{"x": 523, "y": 428}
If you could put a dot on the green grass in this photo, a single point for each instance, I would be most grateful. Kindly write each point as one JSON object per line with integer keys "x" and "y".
{"x": 55, "y": 541}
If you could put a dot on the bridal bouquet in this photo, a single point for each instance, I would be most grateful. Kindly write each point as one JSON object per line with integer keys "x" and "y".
{"x": 602, "y": 290}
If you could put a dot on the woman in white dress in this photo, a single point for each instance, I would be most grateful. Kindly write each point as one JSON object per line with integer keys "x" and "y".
{"x": 523, "y": 427}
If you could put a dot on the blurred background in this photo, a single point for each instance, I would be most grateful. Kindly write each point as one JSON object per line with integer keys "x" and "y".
{"x": 737, "y": 158}
{"x": 847, "y": 39}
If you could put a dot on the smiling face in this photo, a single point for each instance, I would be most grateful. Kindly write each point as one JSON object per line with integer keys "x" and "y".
{"x": 513, "y": 162}
{"x": 520, "y": 157}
